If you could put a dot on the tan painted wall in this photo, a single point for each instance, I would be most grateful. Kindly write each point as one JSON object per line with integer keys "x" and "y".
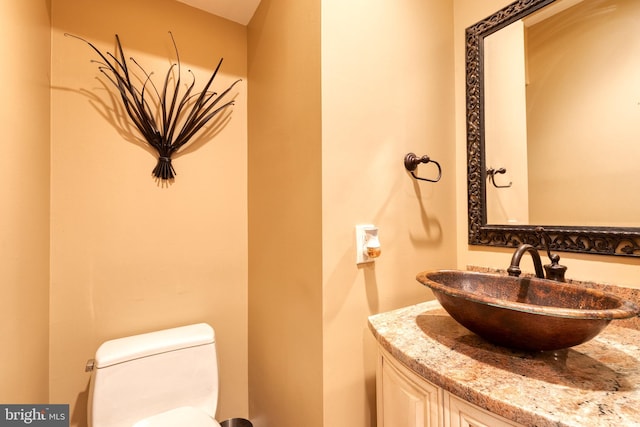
{"x": 616, "y": 270}
{"x": 24, "y": 191}
{"x": 387, "y": 90}
{"x": 326, "y": 150}
{"x": 285, "y": 215}
{"x": 130, "y": 255}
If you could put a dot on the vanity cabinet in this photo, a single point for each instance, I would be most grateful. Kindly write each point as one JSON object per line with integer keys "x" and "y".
{"x": 404, "y": 399}
{"x": 433, "y": 372}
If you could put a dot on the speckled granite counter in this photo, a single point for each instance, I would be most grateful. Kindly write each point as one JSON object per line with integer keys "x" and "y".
{"x": 594, "y": 384}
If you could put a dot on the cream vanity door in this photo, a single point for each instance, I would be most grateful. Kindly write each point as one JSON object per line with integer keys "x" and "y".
{"x": 405, "y": 400}
{"x": 460, "y": 413}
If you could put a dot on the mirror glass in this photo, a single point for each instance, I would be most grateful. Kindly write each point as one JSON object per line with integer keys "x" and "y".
{"x": 562, "y": 110}
{"x": 553, "y": 125}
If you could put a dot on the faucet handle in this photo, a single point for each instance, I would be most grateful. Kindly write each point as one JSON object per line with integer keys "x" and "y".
{"x": 545, "y": 239}
{"x": 554, "y": 271}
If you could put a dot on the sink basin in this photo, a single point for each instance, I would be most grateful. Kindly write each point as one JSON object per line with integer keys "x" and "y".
{"x": 525, "y": 313}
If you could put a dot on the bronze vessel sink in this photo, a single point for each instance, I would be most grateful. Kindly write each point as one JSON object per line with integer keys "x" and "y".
{"x": 523, "y": 312}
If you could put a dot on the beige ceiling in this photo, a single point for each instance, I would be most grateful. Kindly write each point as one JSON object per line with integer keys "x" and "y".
{"x": 239, "y": 11}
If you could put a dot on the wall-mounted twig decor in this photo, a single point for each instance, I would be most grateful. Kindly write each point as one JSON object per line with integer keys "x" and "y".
{"x": 166, "y": 118}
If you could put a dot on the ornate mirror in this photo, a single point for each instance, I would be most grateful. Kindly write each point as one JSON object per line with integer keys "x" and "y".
{"x": 553, "y": 126}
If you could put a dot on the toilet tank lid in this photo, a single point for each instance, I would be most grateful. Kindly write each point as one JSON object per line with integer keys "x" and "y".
{"x": 143, "y": 345}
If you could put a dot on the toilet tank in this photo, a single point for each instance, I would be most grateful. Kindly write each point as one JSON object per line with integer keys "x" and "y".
{"x": 139, "y": 376}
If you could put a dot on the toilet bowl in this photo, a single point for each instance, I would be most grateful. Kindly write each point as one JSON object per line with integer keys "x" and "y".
{"x": 186, "y": 416}
{"x": 166, "y": 378}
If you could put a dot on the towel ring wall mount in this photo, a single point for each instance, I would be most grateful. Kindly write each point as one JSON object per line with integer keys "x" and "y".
{"x": 492, "y": 172}
{"x": 411, "y": 162}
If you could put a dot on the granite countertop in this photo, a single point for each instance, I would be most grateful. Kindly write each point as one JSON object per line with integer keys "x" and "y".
{"x": 594, "y": 384}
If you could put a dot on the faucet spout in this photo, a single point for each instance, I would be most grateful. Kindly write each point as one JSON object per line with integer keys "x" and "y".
{"x": 514, "y": 268}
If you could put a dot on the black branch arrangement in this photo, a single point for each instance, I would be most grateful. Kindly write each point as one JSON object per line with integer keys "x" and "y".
{"x": 166, "y": 118}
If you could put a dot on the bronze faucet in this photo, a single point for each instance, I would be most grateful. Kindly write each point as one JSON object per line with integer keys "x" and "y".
{"x": 514, "y": 268}
{"x": 554, "y": 271}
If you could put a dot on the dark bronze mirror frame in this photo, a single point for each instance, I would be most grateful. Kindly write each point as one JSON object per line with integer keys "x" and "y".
{"x": 620, "y": 241}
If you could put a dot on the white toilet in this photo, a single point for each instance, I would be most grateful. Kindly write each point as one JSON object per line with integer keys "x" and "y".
{"x": 167, "y": 378}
